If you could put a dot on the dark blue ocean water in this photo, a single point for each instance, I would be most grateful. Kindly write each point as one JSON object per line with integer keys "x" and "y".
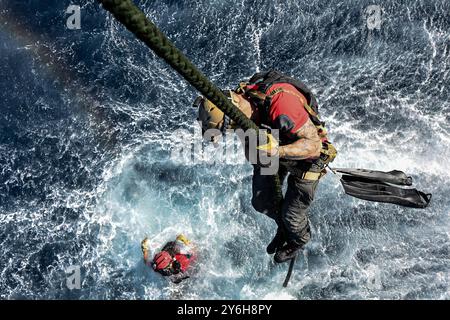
{"x": 88, "y": 122}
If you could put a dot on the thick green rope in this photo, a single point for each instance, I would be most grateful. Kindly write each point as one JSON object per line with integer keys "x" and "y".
{"x": 135, "y": 21}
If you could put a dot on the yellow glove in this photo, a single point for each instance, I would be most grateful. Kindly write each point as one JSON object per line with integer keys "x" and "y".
{"x": 183, "y": 239}
{"x": 145, "y": 245}
{"x": 272, "y": 147}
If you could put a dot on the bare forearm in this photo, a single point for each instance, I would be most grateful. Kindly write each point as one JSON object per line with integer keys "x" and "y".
{"x": 300, "y": 150}
{"x": 307, "y": 146}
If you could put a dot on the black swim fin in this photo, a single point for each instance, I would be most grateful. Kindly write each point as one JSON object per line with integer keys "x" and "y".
{"x": 378, "y": 191}
{"x": 394, "y": 177}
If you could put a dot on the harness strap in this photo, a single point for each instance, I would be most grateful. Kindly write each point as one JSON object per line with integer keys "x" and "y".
{"x": 275, "y": 92}
{"x": 313, "y": 176}
{"x": 307, "y": 175}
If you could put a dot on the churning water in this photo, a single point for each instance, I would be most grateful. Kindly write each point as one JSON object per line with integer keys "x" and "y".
{"x": 86, "y": 133}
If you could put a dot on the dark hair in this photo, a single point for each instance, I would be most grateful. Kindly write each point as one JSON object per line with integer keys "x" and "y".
{"x": 176, "y": 267}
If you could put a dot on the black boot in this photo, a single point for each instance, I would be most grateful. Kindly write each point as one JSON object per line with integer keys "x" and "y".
{"x": 276, "y": 242}
{"x": 287, "y": 252}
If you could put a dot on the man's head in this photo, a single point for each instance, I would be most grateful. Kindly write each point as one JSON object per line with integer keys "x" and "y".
{"x": 211, "y": 117}
{"x": 162, "y": 261}
{"x": 166, "y": 265}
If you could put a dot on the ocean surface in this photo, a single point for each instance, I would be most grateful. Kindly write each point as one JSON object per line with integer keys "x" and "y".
{"x": 90, "y": 119}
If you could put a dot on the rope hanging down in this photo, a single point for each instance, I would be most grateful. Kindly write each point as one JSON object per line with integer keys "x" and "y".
{"x": 135, "y": 21}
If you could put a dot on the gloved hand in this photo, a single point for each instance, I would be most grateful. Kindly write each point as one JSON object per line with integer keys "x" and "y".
{"x": 268, "y": 154}
{"x": 271, "y": 148}
{"x": 183, "y": 239}
{"x": 145, "y": 245}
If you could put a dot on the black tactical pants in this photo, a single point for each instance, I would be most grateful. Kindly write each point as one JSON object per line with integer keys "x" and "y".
{"x": 293, "y": 218}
